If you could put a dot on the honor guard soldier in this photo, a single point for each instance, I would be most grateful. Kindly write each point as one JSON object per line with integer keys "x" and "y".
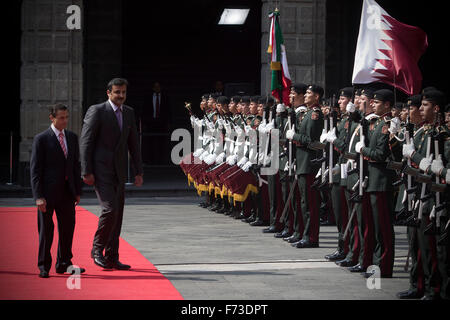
{"x": 307, "y": 131}
{"x": 380, "y": 181}
{"x": 337, "y": 136}
{"x": 421, "y": 152}
{"x": 416, "y": 282}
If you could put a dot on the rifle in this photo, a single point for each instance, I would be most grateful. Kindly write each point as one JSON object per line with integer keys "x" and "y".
{"x": 433, "y": 228}
{"x": 330, "y": 157}
{"x": 361, "y": 182}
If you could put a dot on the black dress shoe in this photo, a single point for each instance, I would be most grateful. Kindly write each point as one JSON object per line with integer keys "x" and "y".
{"x": 293, "y": 239}
{"x": 345, "y": 263}
{"x": 120, "y": 266}
{"x": 367, "y": 274}
{"x": 335, "y": 256}
{"x": 43, "y": 274}
{"x": 306, "y": 244}
{"x": 284, "y": 234}
{"x": 73, "y": 270}
{"x": 257, "y": 223}
{"x": 409, "y": 294}
{"x": 270, "y": 229}
{"x": 101, "y": 262}
{"x": 357, "y": 268}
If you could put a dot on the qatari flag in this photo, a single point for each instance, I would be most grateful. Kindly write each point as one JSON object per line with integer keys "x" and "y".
{"x": 388, "y": 50}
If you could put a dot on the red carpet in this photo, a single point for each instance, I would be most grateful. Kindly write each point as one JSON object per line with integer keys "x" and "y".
{"x": 19, "y": 273}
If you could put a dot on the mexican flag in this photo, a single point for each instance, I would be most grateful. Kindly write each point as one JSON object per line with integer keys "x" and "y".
{"x": 388, "y": 51}
{"x": 281, "y": 79}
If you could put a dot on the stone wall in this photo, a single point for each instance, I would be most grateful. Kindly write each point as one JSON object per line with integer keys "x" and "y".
{"x": 51, "y": 70}
{"x": 303, "y": 27}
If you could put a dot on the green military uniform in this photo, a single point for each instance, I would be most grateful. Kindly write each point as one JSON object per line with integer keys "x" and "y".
{"x": 343, "y": 185}
{"x": 416, "y": 286}
{"x": 307, "y": 131}
{"x": 380, "y": 188}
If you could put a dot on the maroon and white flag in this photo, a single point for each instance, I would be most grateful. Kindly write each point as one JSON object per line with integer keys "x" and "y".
{"x": 388, "y": 50}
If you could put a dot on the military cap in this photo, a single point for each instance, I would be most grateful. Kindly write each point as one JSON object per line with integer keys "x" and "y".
{"x": 346, "y": 92}
{"x": 299, "y": 88}
{"x": 367, "y": 92}
{"x": 223, "y": 100}
{"x": 235, "y": 99}
{"x": 266, "y": 99}
{"x": 447, "y": 108}
{"x": 254, "y": 99}
{"x": 205, "y": 96}
{"x": 357, "y": 92}
{"x": 398, "y": 105}
{"x": 384, "y": 95}
{"x": 214, "y": 96}
{"x": 316, "y": 89}
{"x": 428, "y": 89}
{"x": 415, "y": 100}
{"x": 435, "y": 96}
{"x": 245, "y": 99}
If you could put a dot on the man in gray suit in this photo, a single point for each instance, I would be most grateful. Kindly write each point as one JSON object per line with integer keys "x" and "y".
{"x": 109, "y": 132}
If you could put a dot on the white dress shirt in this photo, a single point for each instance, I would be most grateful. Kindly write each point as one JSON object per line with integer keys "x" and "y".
{"x": 156, "y": 96}
{"x": 56, "y": 131}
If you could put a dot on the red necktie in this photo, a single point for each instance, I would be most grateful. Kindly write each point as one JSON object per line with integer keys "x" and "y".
{"x": 61, "y": 142}
{"x": 157, "y": 106}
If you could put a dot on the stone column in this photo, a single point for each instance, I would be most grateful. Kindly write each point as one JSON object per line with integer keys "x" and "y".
{"x": 51, "y": 70}
{"x": 303, "y": 26}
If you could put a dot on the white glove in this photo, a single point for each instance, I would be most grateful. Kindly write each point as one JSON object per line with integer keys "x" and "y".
{"x": 231, "y": 160}
{"x": 437, "y": 166}
{"x": 247, "y": 129}
{"x": 198, "y": 152}
{"x": 323, "y": 136}
{"x": 199, "y": 122}
{"x": 204, "y": 155}
{"x": 242, "y": 162}
{"x": 394, "y": 126}
{"x": 246, "y": 166}
{"x": 220, "y": 158}
{"x": 220, "y": 122}
{"x": 269, "y": 126}
{"x": 192, "y": 120}
{"x": 359, "y": 145}
{"x": 290, "y": 134}
{"x": 408, "y": 150}
{"x": 425, "y": 163}
{"x": 210, "y": 159}
{"x": 331, "y": 136}
{"x": 210, "y": 126}
{"x": 262, "y": 128}
{"x": 350, "y": 108}
{"x": 302, "y": 109}
{"x": 238, "y": 130}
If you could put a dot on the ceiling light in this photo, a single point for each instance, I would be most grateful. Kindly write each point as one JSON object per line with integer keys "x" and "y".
{"x": 234, "y": 16}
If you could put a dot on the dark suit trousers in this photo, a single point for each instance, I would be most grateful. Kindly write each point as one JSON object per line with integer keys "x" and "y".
{"x": 112, "y": 199}
{"x": 65, "y": 214}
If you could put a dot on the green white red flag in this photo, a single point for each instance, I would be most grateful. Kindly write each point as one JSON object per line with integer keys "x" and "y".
{"x": 281, "y": 79}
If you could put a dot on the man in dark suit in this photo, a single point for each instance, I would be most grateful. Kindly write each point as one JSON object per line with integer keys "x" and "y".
{"x": 109, "y": 132}
{"x": 156, "y": 119}
{"x": 56, "y": 186}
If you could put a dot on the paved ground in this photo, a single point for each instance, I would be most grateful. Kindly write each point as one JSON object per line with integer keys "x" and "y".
{"x": 211, "y": 256}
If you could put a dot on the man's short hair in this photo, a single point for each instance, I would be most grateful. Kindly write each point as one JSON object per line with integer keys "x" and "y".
{"x": 54, "y": 108}
{"x": 117, "y": 82}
